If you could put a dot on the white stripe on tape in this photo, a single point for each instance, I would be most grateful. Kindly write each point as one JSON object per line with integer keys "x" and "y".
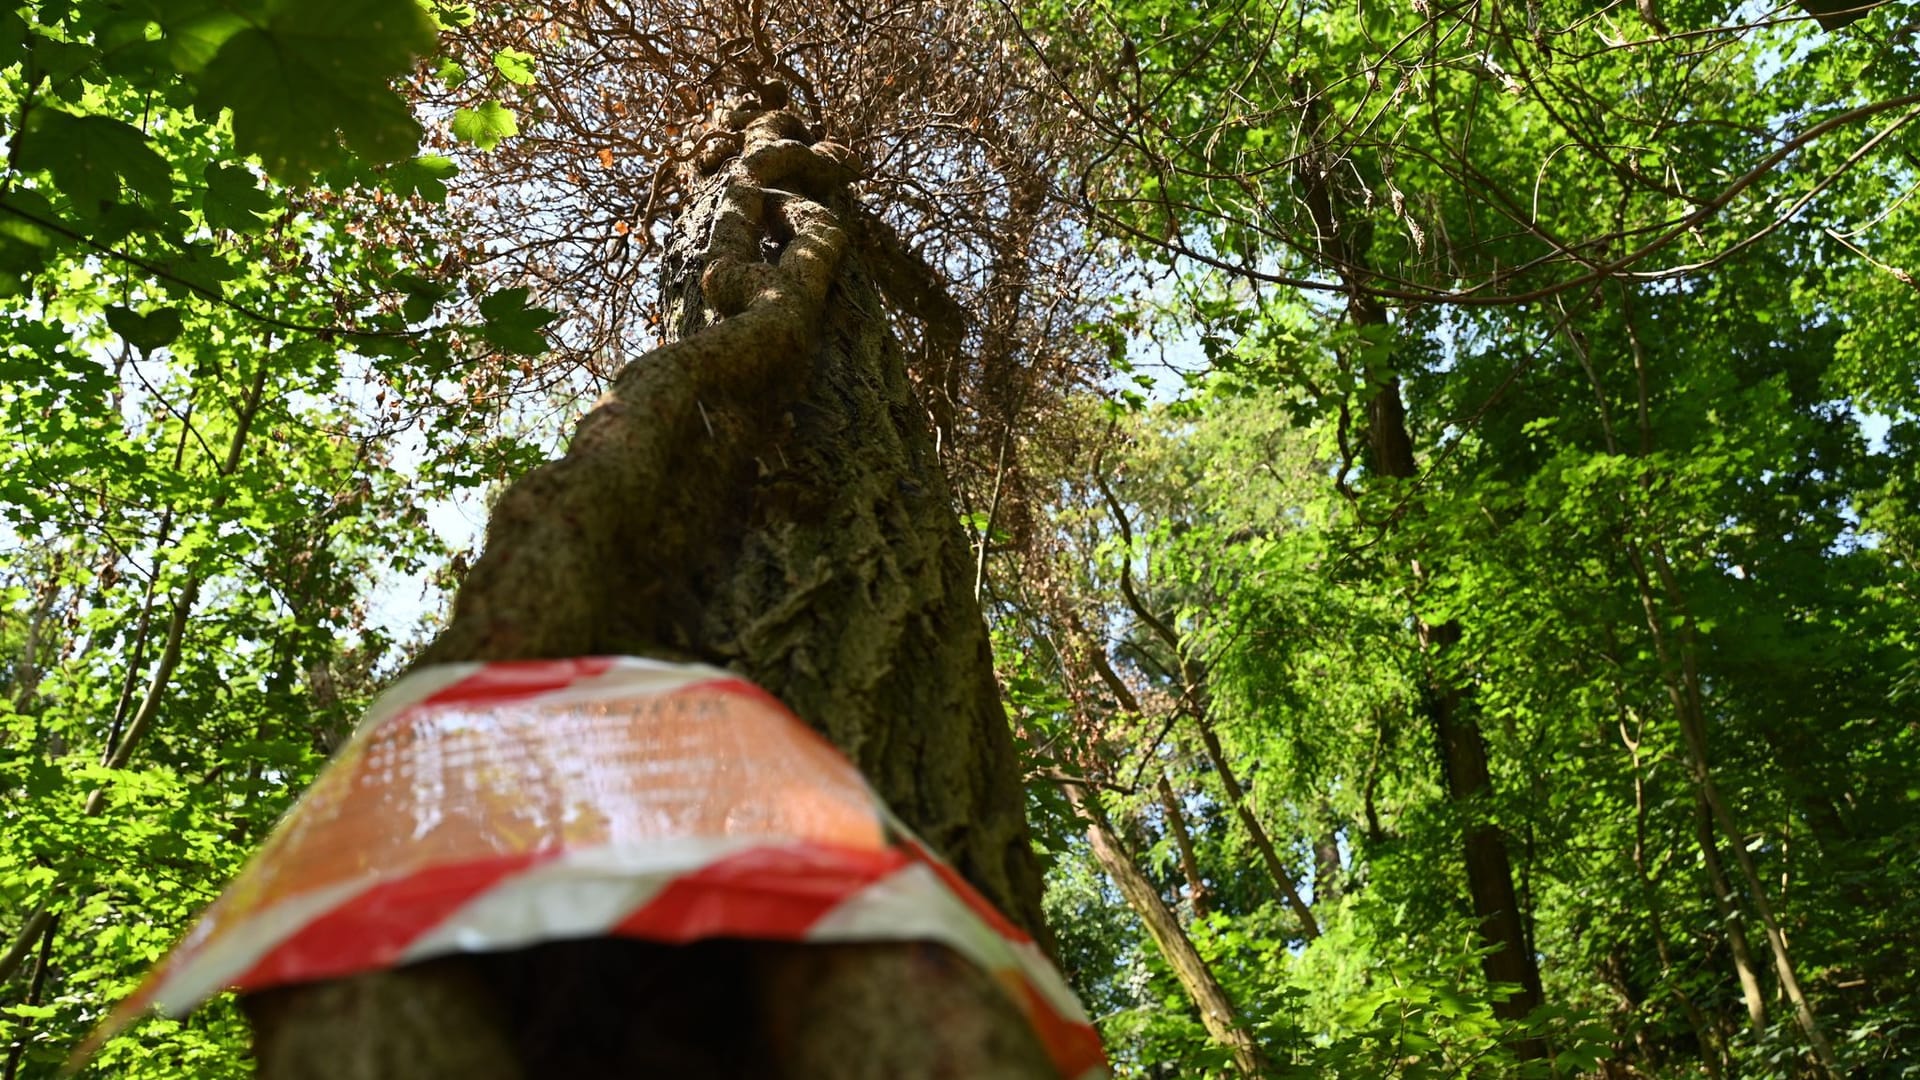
{"x": 239, "y": 946}
{"x": 914, "y": 904}
{"x": 579, "y": 894}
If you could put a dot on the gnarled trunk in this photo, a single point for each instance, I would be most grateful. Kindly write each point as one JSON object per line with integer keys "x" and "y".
{"x": 763, "y": 494}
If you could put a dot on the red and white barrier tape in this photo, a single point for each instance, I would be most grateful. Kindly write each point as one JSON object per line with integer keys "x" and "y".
{"x": 485, "y": 807}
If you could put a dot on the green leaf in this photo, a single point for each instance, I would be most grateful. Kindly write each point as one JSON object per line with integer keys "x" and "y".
{"x": 485, "y": 126}
{"x": 450, "y": 73}
{"x": 233, "y": 200}
{"x": 516, "y": 65}
{"x": 59, "y": 61}
{"x": 448, "y": 15}
{"x": 25, "y": 240}
{"x": 154, "y": 330}
{"x": 426, "y": 176}
{"x": 512, "y": 325}
{"x": 126, "y": 51}
{"x": 122, "y": 220}
{"x": 198, "y": 267}
{"x": 13, "y": 38}
{"x": 90, "y": 156}
{"x": 193, "y": 44}
{"x": 422, "y": 295}
{"x": 317, "y": 73}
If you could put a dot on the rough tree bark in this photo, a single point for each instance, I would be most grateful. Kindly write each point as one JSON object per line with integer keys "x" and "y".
{"x": 761, "y": 493}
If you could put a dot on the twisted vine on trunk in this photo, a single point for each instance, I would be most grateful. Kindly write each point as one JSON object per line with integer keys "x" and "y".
{"x": 761, "y": 493}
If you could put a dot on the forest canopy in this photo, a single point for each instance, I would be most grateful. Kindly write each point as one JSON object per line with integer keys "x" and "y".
{"x": 1441, "y": 480}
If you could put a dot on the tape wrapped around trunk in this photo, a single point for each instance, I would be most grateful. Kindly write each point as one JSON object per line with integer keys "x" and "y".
{"x": 485, "y": 807}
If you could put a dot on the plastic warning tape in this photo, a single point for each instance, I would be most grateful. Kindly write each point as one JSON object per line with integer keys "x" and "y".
{"x": 486, "y": 807}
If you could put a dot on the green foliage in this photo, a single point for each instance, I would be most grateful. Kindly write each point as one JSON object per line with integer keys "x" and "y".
{"x": 512, "y": 324}
{"x": 485, "y": 127}
{"x": 295, "y": 74}
{"x": 1642, "y": 498}
{"x": 214, "y": 304}
{"x": 1724, "y": 439}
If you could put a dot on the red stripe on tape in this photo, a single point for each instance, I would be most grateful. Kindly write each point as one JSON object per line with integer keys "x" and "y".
{"x": 373, "y": 928}
{"x": 1074, "y": 1047}
{"x": 770, "y": 893}
{"x": 508, "y": 680}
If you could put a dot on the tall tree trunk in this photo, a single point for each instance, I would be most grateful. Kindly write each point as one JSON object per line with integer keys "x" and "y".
{"x": 1683, "y": 688}
{"x": 1262, "y": 842}
{"x": 35, "y": 987}
{"x": 1711, "y": 1050}
{"x": 761, "y": 493}
{"x": 1189, "y": 866}
{"x": 1463, "y": 753}
{"x": 1726, "y": 904}
{"x": 1195, "y": 701}
{"x": 1217, "y": 1011}
{"x": 1328, "y": 874}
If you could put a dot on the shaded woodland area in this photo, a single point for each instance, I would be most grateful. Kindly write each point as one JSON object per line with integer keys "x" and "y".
{"x": 1437, "y": 485}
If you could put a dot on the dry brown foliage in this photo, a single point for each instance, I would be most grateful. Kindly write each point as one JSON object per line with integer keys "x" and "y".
{"x": 966, "y": 231}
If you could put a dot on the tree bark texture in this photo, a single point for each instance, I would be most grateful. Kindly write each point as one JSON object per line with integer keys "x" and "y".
{"x": 762, "y": 493}
{"x": 1217, "y": 1011}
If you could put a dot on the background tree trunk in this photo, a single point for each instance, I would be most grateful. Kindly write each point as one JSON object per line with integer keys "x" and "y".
{"x": 1463, "y": 760}
{"x": 1344, "y": 240}
{"x": 1726, "y": 905}
{"x": 1257, "y": 832}
{"x": 762, "y": 493}
{"x": 1217, "y": 1011}
{"x": 1183, "y": 841}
